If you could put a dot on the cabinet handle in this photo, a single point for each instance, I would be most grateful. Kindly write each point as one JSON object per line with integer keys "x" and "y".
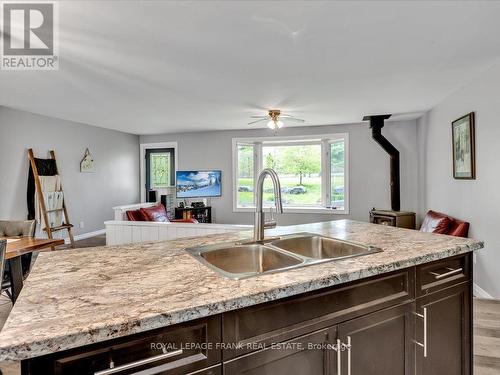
{"x": 447, "y": 274}
{"x": 348, "y": 346}
{"x": 339, "y": 357}
{"x": 424, "y": 345}
{"x": 113, "y": 370}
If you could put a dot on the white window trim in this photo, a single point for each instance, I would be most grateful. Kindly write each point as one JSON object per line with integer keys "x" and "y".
{"x": 142, "y": 154}
{"x": 325, "y": 140}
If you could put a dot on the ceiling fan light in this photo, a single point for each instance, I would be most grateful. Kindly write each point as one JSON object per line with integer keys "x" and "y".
{"x": 271, "y": 125}
{"x": 279, "y": 124}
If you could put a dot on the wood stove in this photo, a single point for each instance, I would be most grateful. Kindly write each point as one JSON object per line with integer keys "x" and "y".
{"x": 394, "y": 217}
{"x": 400, "y": 219}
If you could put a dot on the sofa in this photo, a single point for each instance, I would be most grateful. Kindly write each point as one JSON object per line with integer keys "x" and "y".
{"x": 129, "y": 226}
{"x": 155, "y": 213}
{"x": 437, "y": 222}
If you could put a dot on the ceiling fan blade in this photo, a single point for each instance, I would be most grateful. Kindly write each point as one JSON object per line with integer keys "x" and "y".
{"x": 265, "y": 116}
{"x": 256, "y": 121}
{"x": 293, "y": 119}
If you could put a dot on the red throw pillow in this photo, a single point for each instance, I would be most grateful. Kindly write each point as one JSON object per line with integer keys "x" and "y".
{"x": 155, "y": 213}
{"x": 436, "y": 222}
{"x": 135, "y": 215}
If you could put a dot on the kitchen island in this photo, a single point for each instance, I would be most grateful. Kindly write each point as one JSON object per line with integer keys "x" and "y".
{"x": 97, "y": 310}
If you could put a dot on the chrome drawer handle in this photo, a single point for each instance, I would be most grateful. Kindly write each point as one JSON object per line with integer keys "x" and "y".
{"x": 447, "y": 274}
{"x": 113, "y": 370}
{"x": 424, "y": 345}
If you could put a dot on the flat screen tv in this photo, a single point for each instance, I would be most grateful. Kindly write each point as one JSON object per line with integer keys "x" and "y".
{"x": 198, "y": 184}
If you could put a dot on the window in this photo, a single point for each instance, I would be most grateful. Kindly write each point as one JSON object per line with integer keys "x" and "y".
{"x": 246, "y": 167}
{"x": 312, "y": 171}
{"x": 337, "y": 173}
{"x": 160, "y": 169}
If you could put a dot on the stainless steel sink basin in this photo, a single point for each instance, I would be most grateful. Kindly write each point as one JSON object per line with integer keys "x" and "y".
{"x": 319, "y": 247}
{"x": 238, "y": 261}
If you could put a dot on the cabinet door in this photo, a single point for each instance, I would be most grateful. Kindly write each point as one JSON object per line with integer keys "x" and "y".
{"x": 215, "y": 370}
{"x": 446, "y": 334}
{"x": 312, "y": 354}
{"x": 379, "y": 343}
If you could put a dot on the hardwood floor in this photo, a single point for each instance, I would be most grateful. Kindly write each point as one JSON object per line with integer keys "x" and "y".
{"x": 486, "y": 337}
{"x": 88, "y": 242}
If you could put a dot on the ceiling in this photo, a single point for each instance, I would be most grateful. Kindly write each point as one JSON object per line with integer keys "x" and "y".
{"x": 147, "y": 67}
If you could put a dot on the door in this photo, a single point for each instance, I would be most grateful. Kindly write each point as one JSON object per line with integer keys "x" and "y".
{"x": 311, "y": 354}
{"x": 160, "y": 168}
{"x": 444, "y": 330}
{"x": 379, "y": 343}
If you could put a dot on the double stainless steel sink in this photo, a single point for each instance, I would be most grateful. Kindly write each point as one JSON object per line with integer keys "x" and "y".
{"x": 238, "y": 261}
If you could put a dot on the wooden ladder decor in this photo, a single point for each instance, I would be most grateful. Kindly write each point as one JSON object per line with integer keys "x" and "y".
{"x": 66, "y": 224}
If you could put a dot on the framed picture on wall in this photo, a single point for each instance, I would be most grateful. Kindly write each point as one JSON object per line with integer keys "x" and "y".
{"x": 464, "y": 148}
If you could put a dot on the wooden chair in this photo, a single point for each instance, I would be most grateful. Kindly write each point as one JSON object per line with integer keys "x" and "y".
{"x": 16, "y": 229}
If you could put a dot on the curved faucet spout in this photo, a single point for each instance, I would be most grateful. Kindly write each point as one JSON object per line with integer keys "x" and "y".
{"x": 260, "y": 223}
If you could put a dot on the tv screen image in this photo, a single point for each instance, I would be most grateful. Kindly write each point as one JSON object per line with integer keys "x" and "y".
{"x": 196, "y": 184}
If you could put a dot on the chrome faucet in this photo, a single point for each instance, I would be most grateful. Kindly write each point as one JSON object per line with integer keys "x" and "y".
{"x": 260, "y": 218}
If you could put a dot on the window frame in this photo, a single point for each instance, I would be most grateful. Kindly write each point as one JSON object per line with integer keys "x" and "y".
{"x": 142, "y": 166}
{"x": 325, "y": 140}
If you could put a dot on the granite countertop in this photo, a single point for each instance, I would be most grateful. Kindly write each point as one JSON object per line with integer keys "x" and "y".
{"x": 78, "y": 297}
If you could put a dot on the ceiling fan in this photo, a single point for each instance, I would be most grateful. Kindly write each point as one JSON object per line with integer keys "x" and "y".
{"x": 275, "y": 119}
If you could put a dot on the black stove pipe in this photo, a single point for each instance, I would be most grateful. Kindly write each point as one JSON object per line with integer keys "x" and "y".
{"x": 376, "y": 124}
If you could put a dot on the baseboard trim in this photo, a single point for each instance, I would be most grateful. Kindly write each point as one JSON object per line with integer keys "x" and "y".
{"x": 480, "y": 292}
{"x": 84, "y": 236}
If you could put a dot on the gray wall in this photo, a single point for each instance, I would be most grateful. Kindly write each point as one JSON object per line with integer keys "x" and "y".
{"x": 369, "y": 167}
{"x": 476, "y": 201}
{"x": 89, "y": 196}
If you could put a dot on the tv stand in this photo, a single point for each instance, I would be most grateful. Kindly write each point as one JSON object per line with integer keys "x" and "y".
{"x": 202, "y": 214}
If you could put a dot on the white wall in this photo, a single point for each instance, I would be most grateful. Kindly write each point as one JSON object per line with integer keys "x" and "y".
{"x": 477, "y": 201}
{"x": 89, "y": 196}
{"x": 369, "y": 167}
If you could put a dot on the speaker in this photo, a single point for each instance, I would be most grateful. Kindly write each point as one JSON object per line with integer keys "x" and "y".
{"x": 152, "y": 196}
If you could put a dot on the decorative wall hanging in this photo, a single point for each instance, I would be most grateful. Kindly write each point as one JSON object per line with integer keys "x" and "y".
{"x": 87, "y": 163}
{"x": 464, "y": 147}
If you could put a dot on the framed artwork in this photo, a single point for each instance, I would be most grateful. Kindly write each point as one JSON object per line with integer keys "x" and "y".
{"x": 87, "y": 163}
{"x": 464, "y": 148}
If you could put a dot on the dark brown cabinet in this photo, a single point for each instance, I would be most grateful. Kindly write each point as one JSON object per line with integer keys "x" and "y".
{"x": 411, "y": 321}
{"x": 215, "y": 370}
{"x": 312, "y": 354}
{"x": 443, "y": 331}
{"x": 379, "y": 343}
{"x": 282, "y": 320}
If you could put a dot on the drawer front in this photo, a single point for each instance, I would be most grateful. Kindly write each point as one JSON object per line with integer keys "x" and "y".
{"x": 435, "y": 276}
{"x": 179, "y": 349}
{"x": 278, "y": 321}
